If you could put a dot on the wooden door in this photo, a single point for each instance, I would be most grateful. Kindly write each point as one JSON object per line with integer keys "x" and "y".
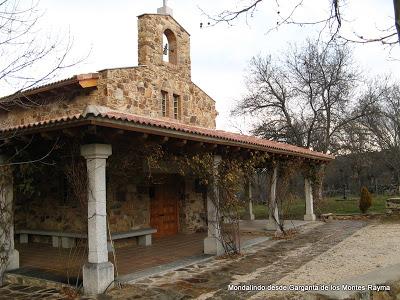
{"x": 164, "y": 211}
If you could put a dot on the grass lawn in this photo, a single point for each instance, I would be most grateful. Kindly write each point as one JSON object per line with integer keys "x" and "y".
{"x": 336, "y": 205}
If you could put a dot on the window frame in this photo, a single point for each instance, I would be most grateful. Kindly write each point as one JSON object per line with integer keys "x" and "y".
{"x": 177, "y": 106}
{"x": 164, "y": 103}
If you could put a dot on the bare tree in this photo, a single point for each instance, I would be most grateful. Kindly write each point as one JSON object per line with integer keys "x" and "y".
{"x": 384, "y": 125}
{"x": 332, "y": 21}
{"x": 27, "y": 55}
{"x": 306, "y": 98}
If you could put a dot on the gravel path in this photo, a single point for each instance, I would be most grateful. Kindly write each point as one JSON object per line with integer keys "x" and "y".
{"x": 372, "y": 247}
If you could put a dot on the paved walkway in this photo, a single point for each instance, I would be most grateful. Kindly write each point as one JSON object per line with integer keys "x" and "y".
{"x": 264, "y": 264}
{"x": 260, "y": 225}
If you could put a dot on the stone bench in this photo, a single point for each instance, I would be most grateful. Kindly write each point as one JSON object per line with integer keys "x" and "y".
{"x": 143, "y": 236}
{"x": 63, "y": 239}
{"x": 68, "y": 239}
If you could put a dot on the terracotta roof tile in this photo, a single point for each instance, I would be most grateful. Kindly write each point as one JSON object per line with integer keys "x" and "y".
{"x": 106, "y": 114}
{"x": 225, "y": 135}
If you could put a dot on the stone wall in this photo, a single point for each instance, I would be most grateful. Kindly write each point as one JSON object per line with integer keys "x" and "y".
{"x": 128, "y": 208}
{"x": 48, "y": 210}
{"x": 138, "y": 91}
{"x": 192, "y": 210}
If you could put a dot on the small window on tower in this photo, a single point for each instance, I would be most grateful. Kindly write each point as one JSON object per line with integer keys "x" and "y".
{"x": 177, "y": 107}
{"x": 164, "y": 103}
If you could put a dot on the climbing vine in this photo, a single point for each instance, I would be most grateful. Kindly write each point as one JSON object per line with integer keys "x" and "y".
{"x": 284, "y": 197}
{"x": 222, "y": 184}
{"x": 224, "y": 181}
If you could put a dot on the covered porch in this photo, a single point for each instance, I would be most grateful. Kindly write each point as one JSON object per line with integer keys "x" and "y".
{"x": 178, "y": 208}
{"x": 131, "y": 262}
{"x": 65, "y": 265}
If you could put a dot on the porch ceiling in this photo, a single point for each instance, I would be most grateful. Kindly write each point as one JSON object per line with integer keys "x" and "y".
{"x": 105, "y": 117}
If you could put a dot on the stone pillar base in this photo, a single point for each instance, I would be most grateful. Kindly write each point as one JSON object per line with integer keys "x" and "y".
{"x": 310, "y": 217}
{"x": 13, "y": 260}
{"x": 213, "y": 246}
{"x": 97, "y": 277}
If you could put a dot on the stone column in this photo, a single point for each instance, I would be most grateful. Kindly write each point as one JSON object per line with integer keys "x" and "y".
{"x": 273, "y": 215}
{"x": 213, "y": 242}
{"x": 309, "y": 216}
{"x": 249, "y": 215}
{"x": 98, "y": 273}
{"x": 7, "y": 249}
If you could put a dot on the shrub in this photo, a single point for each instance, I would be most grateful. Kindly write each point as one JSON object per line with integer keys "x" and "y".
{"x": 365, "y": 200}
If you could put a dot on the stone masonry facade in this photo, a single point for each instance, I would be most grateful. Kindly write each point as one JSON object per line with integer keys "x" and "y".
{"x": 136, "y": 90}
{"x": 128, "y": 209}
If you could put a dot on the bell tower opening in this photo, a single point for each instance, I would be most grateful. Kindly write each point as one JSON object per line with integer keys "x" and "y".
{"x": 170, "y": 53}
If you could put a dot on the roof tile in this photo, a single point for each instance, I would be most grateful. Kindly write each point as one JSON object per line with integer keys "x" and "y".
{"x": 108, "y": 114}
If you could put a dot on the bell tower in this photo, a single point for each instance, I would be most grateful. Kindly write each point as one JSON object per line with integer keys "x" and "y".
{"x": 163, "y": 44}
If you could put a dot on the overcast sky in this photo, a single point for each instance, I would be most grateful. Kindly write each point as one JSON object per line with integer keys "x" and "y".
{"x": 220, "y": 54}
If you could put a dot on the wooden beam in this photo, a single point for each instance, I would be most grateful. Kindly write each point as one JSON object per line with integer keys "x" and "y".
{"x": 164, "y": 139}
{"x": 236, "y": 149}
{"x": 180, "y": 143}
{"x": 69, "y": 132}
{"x": 177, "y": 143}
{"x": 197, "y": 145}
{"x": 92, "y": 129}
{"x": 47, "y": 136}
{"x": 24, "y": 138}
{"x": 86, "y": 83}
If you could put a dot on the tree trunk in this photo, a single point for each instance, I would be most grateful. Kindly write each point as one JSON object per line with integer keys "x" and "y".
{"x": 396, "y": 4}
{"x": 317, "y": 185}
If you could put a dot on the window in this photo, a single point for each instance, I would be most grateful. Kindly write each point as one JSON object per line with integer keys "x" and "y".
{"x": 164, "y": 103}
{"x": 177, "y": 106}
